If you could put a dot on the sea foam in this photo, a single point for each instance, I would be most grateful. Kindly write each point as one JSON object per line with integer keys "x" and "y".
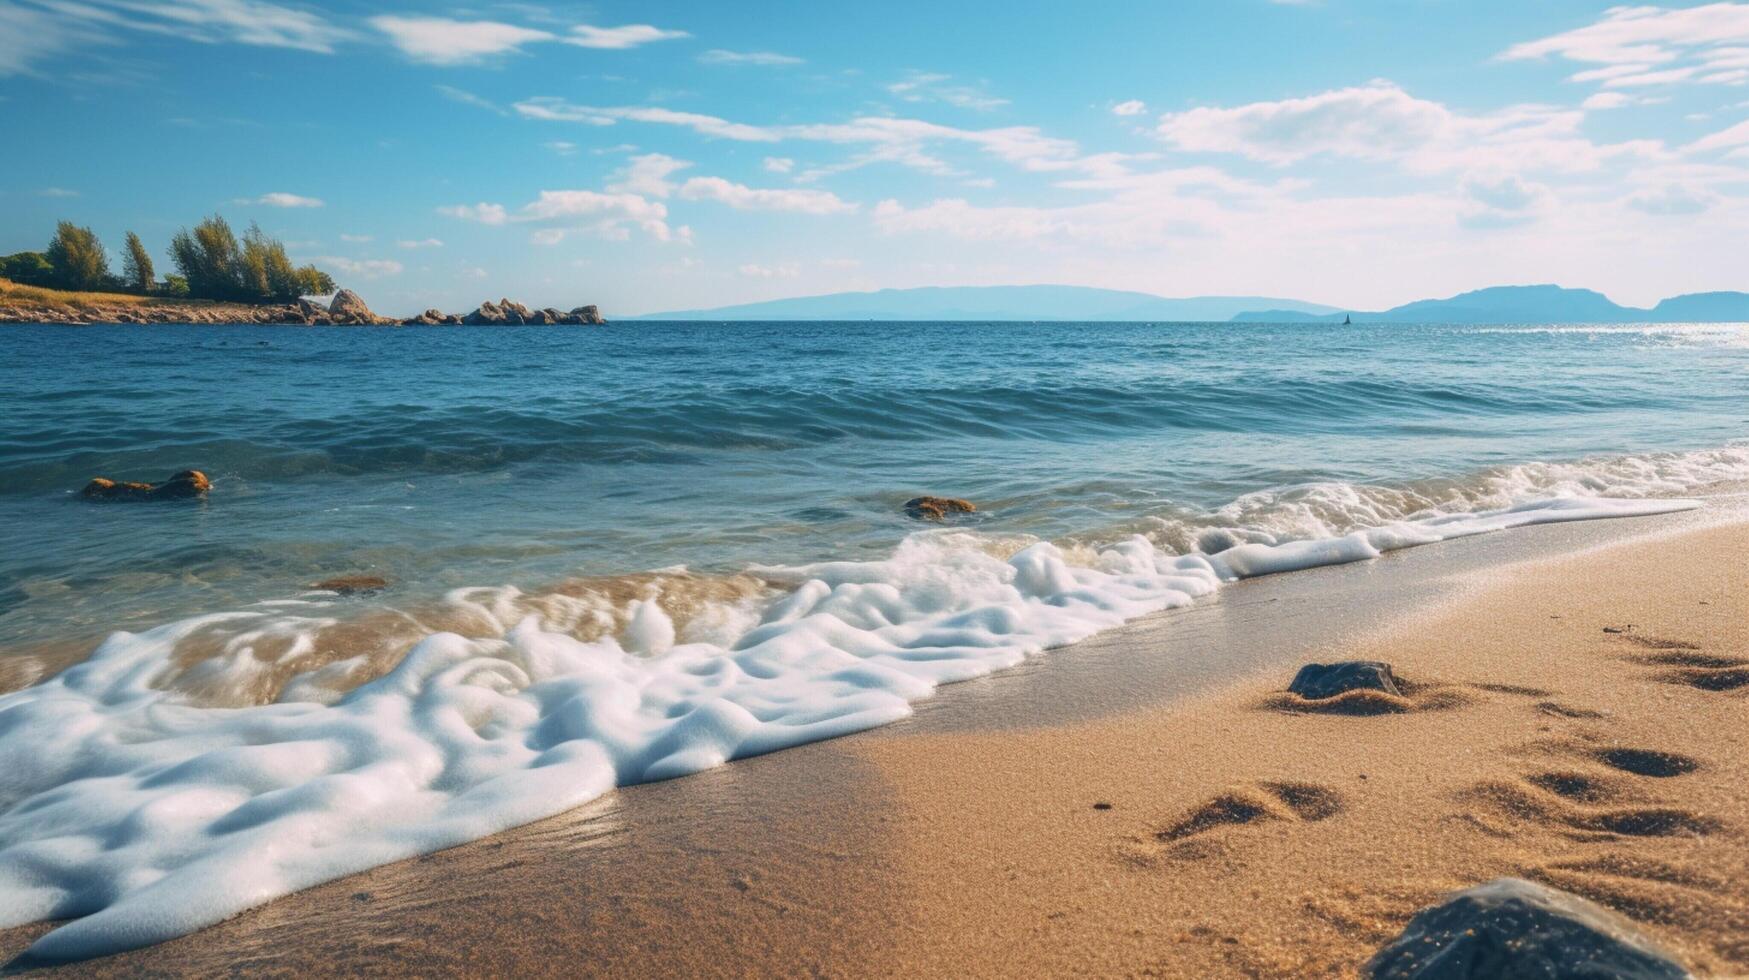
{"x": 140, "y": 814}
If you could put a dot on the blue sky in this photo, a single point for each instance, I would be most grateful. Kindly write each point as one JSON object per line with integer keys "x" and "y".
{"x": 671, "y": 155}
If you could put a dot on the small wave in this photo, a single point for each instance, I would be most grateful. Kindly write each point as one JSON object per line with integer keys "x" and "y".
{"x": 133, "y": 807}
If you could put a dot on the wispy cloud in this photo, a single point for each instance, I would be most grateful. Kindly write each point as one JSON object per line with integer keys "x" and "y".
{"x": 765, "y": 59}
{"x": 1380, "y": 121}
{"x": 362, "y": 268}
{"x": 562, "y": 212}
{"x": 251, "y": 22}
{"x": 281, "y": 199}
{"x": 464, "y": 97}
{"x": 411, "y": 243}
{"x": 1134, "y": 107}
{"x": 56, "y": 192}
{"x": 922, "y": 86}
{"x": 744, "y": 198}
{"x": 781, "y": 270}
{"x": 447, "y": 41}
{"x": 1646, "y": 45}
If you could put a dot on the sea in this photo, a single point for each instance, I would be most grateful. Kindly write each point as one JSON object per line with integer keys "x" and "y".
{"x": 616, "y": 554}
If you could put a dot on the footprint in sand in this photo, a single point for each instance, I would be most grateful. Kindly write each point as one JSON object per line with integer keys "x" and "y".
{"x": 1306, "y": 802}
{"x": 1688, "y": 666}
{"x": 1658, "y": 890}
{"x": 1590, "y": 806}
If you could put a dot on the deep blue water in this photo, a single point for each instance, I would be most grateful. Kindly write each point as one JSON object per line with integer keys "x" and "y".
{"x": 483, "y": 456}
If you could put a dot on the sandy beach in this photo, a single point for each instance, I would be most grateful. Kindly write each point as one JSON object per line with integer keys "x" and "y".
{"x": 1148, "y": 802}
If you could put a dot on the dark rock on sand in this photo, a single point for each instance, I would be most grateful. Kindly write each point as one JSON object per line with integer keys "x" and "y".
{"x": 937, "y": 508}
{"x": 188, "y": 483}
{"x": 1513, "y": 928}
{"x": 1315, "y": 682}
{"x": 353, "y": 584}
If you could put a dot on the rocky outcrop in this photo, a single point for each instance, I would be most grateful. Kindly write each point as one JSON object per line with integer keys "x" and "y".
{"x": 508, "y": 313}
{"x": 349, "y": 308}
{"x": 1316, "y": 682}
{"x": 1513, "y": 928}
{"x": 937, "y": 508}
{"x": 346, "y": 308}
{"x": 183, "y": 485}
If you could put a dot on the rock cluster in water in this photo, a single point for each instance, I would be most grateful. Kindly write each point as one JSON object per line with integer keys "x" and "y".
{"x": 937, "y": 508}
{"x": 186, "y": 484}
{"x": 347, "y": 308}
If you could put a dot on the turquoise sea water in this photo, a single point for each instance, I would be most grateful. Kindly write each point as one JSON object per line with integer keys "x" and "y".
{"x": 469, "y": 457}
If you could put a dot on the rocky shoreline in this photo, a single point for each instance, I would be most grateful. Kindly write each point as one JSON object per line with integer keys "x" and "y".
{"x": 345, "y": 309}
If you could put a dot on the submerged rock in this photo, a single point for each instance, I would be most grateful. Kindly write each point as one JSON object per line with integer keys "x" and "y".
{"x": 1315, "y": 682}
{"x": 937, "y": 508}
{"x": 1514, "y": 928}
{"x": 188, "y": 483}
{"x": 353, "y": 584}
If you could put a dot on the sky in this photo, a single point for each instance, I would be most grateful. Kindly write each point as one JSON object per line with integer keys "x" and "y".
{"x": 674, "y": 155}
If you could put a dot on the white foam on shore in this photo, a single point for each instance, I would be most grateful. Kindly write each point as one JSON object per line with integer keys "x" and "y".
{"x": 140, "y": 815}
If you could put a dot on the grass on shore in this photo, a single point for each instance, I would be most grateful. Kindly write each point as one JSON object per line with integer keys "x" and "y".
{"x": 40, "y": 296}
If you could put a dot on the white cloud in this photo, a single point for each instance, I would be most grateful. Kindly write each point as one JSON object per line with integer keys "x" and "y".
{"x": 29, "y": 36}
{"x": 420, "y": 243}
{"x": 618, "y": 38}
{"x": 607, "y": 215}
{"x": 648, "y": 175}
{"x": 563, "y": 148}
{"x": 56, "y": 192}
{"x": 782, "y": 270}
{"x": 1605, "y": 100}
{"x": 249, "y": 22}
{"x": 1379, "y": 121}
{"x": 1737, "y": 135}
{"x": 486, "y": 214}
{"x": 1672, "y": 200}
{"x": 1134, "y": 107}
{"x": 764, "y": 59}
{"x": 922, "y": 86}
{"x": 1648, "y": 45}
{"x": 778, "y": 165}
{"x": 1502, "y": 200}
{"x": 442, "y": 41}
{"x": 356, "y": 239}
{"x": 744, "y": 198}
{"x": 895, "y": 140}
{"x": 446, "y": 41}
{"x": 363, "y": 268}
{"x": 280, "y": 199}
{"x": 465, "y": 97}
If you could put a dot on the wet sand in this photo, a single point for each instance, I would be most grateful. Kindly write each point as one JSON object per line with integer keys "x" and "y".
{"x": 1240, "y": 838}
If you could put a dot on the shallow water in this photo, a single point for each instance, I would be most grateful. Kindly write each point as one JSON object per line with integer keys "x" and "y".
{"x": 637, "y": 552}
{"x": 485, "y": 457}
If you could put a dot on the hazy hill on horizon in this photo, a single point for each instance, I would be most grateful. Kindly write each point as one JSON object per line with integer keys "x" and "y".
{"x": 1531, "y": 304}
{"x": 1045, "y": 302}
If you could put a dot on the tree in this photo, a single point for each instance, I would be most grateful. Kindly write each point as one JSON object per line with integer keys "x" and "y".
{"x": 314, "y": 282}
{"x": 28, "y": 269}
{"x": 176, "y": 286}
{"x": 78, "y": 257}
{"x": 136, "y": 266}
{"x": 209, "y": 259}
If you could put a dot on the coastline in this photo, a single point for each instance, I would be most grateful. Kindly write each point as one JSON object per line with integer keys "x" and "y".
{"x": 346, "y": 309}
{"x": 965, "y": 824}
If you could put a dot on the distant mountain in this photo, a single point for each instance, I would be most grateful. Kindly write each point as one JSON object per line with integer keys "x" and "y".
{"x": 998, "y": 303}
{"x": 1530, "y": 304}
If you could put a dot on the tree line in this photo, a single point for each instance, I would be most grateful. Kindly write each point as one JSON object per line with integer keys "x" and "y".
{"x": 210, "y": 261}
